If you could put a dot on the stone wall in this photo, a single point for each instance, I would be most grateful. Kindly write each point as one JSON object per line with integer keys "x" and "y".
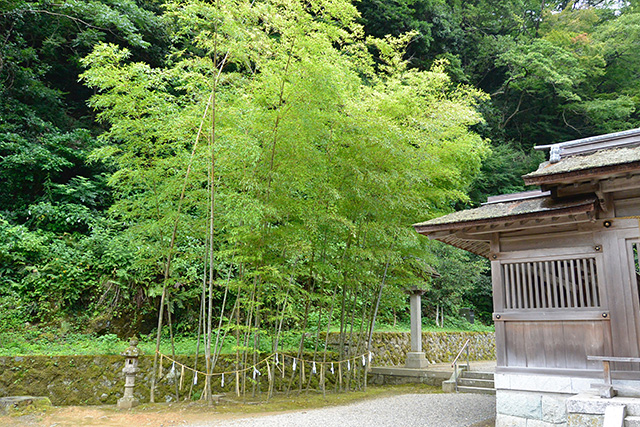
{"x": 391, "y": 348}
{"x": 74, "y": 380}
{"x": 92, "y": 380}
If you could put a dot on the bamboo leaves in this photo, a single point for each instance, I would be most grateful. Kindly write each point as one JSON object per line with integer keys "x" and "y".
{"x": 321, "y": 161}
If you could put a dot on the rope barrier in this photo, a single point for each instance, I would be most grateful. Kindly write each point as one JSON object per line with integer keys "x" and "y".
{"x": 366, "y": 358}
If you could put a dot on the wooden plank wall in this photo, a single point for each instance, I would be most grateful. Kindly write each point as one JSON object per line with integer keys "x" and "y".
{"x": 555, "y": 335}
{"x": 557, "y": 344}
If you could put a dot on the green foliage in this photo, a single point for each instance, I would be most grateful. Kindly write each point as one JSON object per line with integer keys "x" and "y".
{"x": 502, "y": 171}
{"x": 44, "y": 139}
{"x": 56, "y": 341}
{"x": 462, "y": 274}
{"x": 52, "y": 199}
{"x": 319, "y": 159}
{"x": 556, "y": 71}
{"x": 336, "y": 126}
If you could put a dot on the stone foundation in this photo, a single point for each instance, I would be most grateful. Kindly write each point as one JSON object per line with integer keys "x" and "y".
{"x": 553, "y": 401}
{"x": 535, "y": 400}
{"x": 397, "y": 375}
{"x": 524, "y": 408}
{"x": 95, "y": 380}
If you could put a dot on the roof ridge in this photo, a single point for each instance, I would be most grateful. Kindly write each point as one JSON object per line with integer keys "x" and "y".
{"x": 591, "y": 144}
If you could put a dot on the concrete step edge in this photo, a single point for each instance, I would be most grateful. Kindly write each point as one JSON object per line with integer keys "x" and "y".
{"x": 473, "y": 382}
{"x": 479, "y": 390}
{"x": 633, "y": 410}
{"x": 478, "y": 375}
{"x": 632, "y": 422}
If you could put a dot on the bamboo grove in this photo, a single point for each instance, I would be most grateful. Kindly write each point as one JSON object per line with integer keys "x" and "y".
{"x": 323, "y": 125}
{"x": 330, "y": 139}
{"x": 270, "y": 172}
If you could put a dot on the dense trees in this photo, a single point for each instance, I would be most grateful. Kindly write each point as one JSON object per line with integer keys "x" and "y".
{"x": 555, "y": 70}
{"x": 55, "y": 239}
{"x": 312, "y": 139}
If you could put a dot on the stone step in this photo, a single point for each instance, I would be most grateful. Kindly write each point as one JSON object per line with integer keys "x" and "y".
{"x": 633, "y": 408}
{"x": 632, "y": 421}
{"x": 591, "y": 403}
{"x": 478, "y": 375}
{"x": 473, "y": 382}
{"x": 478, "y": 390}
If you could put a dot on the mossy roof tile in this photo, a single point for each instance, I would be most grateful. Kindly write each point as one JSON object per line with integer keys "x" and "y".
{"x": 599, "y": 159}
{"x": 539, "y": 205}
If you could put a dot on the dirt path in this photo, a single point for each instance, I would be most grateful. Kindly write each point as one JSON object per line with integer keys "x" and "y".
{"x": 108, "y": 416}
{"x": 199, "y": 414}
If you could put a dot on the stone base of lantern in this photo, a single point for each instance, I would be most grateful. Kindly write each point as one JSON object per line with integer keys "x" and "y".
{"x": 127, "y": 402}
{"x": 416, "y": 360}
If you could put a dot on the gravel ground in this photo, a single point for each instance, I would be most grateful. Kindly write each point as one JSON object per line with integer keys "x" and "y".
{"x": 424, "y": 410}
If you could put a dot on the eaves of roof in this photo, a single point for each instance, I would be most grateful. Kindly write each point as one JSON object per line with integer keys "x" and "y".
{"x": 540, "y": 207}
{"x": 588, "y": 166}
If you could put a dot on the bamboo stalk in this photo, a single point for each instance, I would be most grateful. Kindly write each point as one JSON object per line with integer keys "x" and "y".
{"x": 224, "y": 302}
{"x": 302, "y": 337}
{"x": 375, "y": 313}
{"x": 326, "y": 338}
{"x": 237, "y": 332}
{"x": 315, "y": 348}
{"x": 172, "y": 244}
{"x": 322, "y": 380}
{"x": 279, "y": 331}
{"x": 256, "y": 333}
{"x": 351, "y": 351}
{"x": 173, "y": 348}
{"x": 200, "y": 326}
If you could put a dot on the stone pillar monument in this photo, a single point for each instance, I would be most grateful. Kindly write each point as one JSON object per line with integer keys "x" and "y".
{"x": 416, "y": 357}
{"x": 130, "y": 370}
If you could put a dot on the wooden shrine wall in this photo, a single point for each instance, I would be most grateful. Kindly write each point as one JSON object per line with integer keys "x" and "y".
{"x": 561, "y": 294}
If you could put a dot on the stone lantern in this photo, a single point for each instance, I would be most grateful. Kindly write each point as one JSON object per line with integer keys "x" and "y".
{"x": 416, "y": 358}
{"x": 130, "y": 369}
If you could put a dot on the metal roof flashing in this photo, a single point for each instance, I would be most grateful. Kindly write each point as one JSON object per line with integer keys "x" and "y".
{"x": 627, "y": 138}
{"x": 516, "y": 196}
{"x": 593, "y": 156}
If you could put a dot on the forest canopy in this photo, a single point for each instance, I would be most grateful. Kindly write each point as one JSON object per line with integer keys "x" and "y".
{"x": 278, "y": 150}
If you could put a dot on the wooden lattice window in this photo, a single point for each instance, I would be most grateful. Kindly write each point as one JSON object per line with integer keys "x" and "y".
{"x": 558, "y": 284}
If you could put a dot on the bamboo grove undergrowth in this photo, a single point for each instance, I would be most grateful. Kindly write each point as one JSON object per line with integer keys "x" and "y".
{"x": 323, "y": 147}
